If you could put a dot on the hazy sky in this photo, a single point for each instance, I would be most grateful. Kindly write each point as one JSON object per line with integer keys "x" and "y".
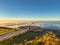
{"x": 30, "y": 9}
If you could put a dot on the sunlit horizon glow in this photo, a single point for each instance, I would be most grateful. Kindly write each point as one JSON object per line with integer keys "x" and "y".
{"x": 30, "y": 19}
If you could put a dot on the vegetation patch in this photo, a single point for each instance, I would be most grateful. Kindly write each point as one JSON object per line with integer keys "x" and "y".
{"x": 4, "y": 30}
{"x": 33, "y": 38}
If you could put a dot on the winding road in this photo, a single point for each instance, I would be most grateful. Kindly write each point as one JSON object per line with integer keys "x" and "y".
{"x": 11, "y": 34}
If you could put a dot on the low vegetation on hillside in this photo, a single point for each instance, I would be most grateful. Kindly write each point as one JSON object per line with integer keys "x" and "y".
{"x": 4, "y": 30}
{"x": 37, "y": 37}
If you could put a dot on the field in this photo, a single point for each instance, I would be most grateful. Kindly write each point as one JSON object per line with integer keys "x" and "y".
{"x": 4, "y": 30}
{"x": 33, "y": 38}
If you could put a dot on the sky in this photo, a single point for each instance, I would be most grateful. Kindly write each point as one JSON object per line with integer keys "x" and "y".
{"x": 30, "y": 9}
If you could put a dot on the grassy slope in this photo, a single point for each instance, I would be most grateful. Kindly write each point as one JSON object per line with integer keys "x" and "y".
{"x": 30, "y": 35}
{"x": 4, "y": 30}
